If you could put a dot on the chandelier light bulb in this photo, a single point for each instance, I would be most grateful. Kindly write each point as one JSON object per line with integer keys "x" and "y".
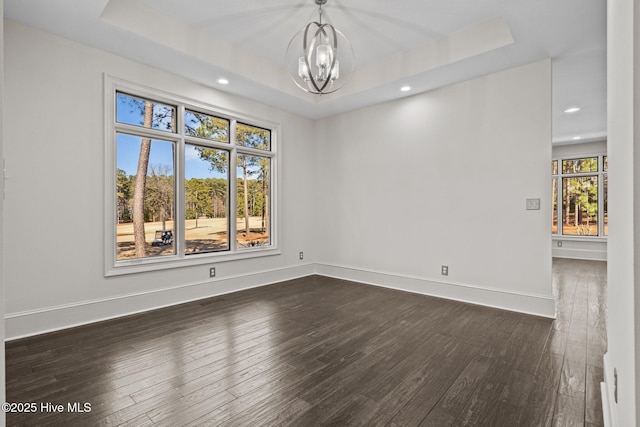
{"x": 323, "y": 56}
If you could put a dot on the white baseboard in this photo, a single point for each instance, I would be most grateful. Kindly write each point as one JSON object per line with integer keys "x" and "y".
{"x": 606, "y": 412}
{"x": 608, "y": 399}
{"x": 539, "y": 305}
{"x": 49, "y": 319}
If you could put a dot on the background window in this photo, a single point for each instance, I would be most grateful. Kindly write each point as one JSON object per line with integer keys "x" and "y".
{"x": 554, "y": 218}
{"x": 576, "y": 207}
{"x": 605, "y": 196}
{"x": 580, "y": 196}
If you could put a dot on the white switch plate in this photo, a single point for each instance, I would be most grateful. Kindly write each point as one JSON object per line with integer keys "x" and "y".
{"x": 533, "y": 204}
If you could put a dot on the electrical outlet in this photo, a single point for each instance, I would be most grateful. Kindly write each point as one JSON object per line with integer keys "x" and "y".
{"x": 212, "y": 272}
{"x": 445, "y": 270}
{"x": 301, "y": 255}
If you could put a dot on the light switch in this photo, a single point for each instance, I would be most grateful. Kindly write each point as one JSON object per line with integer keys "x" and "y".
{"x": 533, "y": 204}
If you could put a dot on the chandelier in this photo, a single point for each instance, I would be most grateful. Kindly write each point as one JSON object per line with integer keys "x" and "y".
{"x": 319, "y": 57}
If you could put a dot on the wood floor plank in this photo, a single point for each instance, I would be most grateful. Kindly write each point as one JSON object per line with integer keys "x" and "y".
{"x": 324, "y": 351}
{"x": 573, "y": 379}
{"x": 457, "y": 396}
{"x": 569, "y": 412}
{"x": 593, "y": 398}
{"x": 413, "y": 399}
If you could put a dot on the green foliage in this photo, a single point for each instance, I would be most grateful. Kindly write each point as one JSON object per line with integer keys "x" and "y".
{"x": 218, "y": 159}
{"x": 581, "y": 198}
{"x": 159, "y": 194}
{"x": 205, "y": 126}
{"x": 253, "y": 137}
{"x": 255, "y": 198}
{"x": 124, "y": 192}
{"x": 206, "y": 198}
{"x": 589, "y": 164}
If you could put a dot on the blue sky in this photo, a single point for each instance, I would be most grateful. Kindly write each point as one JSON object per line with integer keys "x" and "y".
{"x": 128, "y": 151}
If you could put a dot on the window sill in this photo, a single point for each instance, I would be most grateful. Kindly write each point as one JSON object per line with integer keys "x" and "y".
{"x": 149, "y": 265}
{"x": 558, "y": 237}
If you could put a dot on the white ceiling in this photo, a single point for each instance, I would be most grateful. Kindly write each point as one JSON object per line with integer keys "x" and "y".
{"x": 423, "y": 43}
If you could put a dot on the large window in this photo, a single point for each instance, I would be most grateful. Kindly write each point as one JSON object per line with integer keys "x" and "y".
{"x": 579, "y": 191}
{"x": 188, "y": 183}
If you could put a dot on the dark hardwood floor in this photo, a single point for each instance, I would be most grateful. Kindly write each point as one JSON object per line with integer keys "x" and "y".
{"x": 321, "y": 351}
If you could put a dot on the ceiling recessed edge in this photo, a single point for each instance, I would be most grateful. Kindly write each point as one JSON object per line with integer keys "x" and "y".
{"x": 137, "y": 17}
{"x": 464, "y": 44}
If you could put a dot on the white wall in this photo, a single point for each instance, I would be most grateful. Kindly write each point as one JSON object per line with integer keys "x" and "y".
{"x": 623, "y": 314}
{"x": 579, "y": 149}
{"x": 442, "y": 178}
{"x": 54, "y": 148}
{"x": 576, "y": 247}
{"x": 2, "y": 267}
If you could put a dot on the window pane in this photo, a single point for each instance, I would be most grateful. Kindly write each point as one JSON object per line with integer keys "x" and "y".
{"x": 605, "y": 162}
{"x": 580, "y": 165}
{"x": 204, "y": 126}
{"x": 254, "y": 198}
{"x": 554, "y": 167}
{"x": 145, "y": 113}
{"x": 554, "y": 203}
{"x": 254, "y": 137}
{"x": 145, "y": 203}
{"x": 580, "y": 210}
{"x": 605, "y": 204}
{"x": 206, "y": 199}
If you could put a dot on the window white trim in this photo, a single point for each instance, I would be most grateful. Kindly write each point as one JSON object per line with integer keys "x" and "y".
{"x": 180, "y": 259}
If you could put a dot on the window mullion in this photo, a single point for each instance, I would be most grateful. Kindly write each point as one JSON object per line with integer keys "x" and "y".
{"x": 206, "y": 143}
{"x": 144, "y": 132}
{"x": 600, "y": 196}
{"x": 254, "y": 152}
{"x": 233, "y": 188}
{"x": 180, "y": 200}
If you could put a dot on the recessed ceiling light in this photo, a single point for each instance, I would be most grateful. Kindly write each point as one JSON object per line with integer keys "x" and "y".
{"x": 405, "y": 88}
{"x": 572, "y": 110}
{"x": 223, "y": 81}
{"x": 575, "y": 138}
